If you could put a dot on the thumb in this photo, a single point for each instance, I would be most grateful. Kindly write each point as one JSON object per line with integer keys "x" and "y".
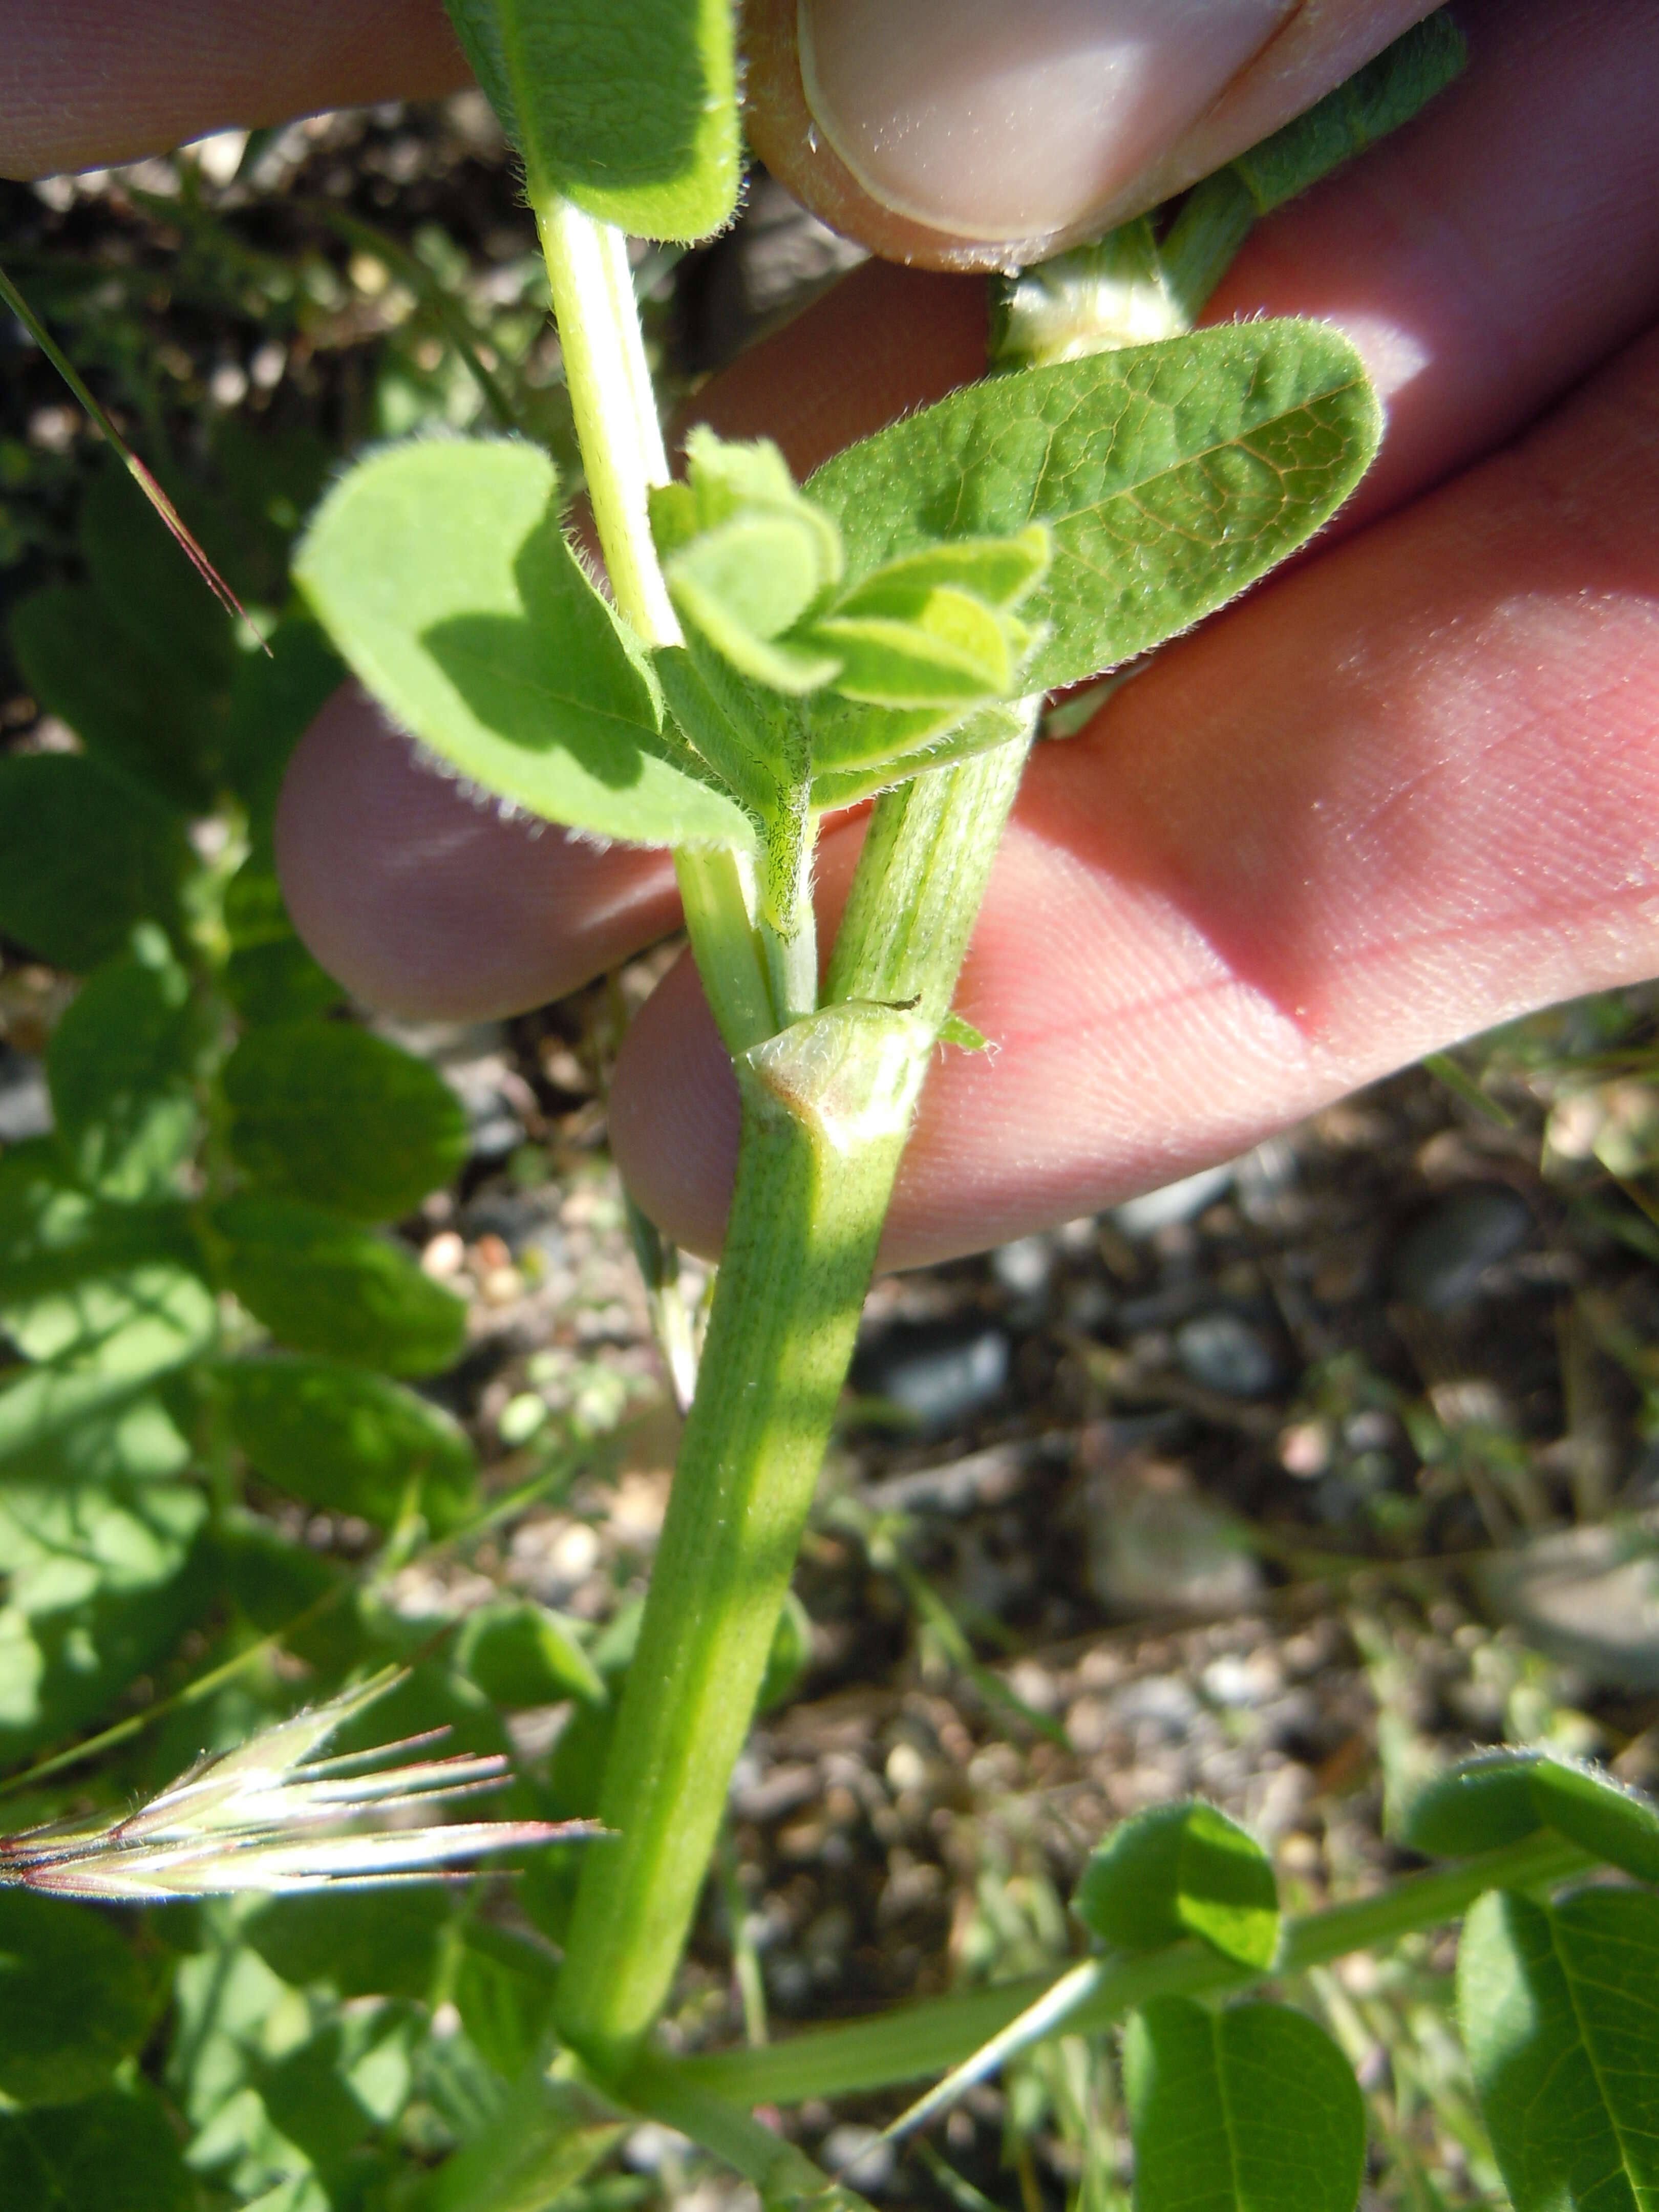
{"x": 950, "y": 132}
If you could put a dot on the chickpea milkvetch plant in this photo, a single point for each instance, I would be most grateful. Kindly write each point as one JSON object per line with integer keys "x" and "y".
{"x": 767, "y": 652}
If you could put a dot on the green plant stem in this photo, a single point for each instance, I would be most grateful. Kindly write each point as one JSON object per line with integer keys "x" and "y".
{"x": 826, "y": 1109}
{"x": 618, "y": 429}
{"x": 914, "y": 2041}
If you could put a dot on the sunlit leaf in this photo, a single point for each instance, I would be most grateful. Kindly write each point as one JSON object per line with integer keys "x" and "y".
{"x": 521, "y": 1653}
{"x": 1559, "y": 2006}
{"x": 1181, "y": 1869}
{"x": 442, "y": 575}
{"x": 1249, "y": 2109}
{"x": 629, "y": 109}
{"x": 1170, "y": 477}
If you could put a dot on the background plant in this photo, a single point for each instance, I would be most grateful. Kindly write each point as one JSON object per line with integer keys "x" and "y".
{"x": 562, "y": 2126}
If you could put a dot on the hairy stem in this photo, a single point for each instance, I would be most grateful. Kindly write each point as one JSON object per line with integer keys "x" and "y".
{"x": 826, "y": 1109}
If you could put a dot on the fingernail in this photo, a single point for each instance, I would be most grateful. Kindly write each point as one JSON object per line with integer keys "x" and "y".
{"x": 1009, "y": 119}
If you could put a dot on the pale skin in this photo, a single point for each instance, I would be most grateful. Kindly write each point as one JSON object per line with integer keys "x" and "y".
{"x": 1406, "y": 791}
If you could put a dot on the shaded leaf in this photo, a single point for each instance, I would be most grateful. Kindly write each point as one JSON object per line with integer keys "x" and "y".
{"x": 1250, "y": 2110}
{"x": 112, "y": 2153}
{"x": 1181, "y": 1869}
{"x": 442, "y": 574}
{"x": 381, "y": 1942}
{"x": 349, "y": 1441}
{"x": 547, "y": 2135}
{"x": 1171, "y": 477}
{"x": 328, "y": 1112}
{"x": 120, "y": 1067}
{"x": 322, "y": 1283}
{"x": 1377, "y": 99}
{"x": 84, "y": 854}
{"x": 132, "y": 710}
{"x": 274, "y": 698}
{"x": 521, "y": 1653}
{"x": 73, "y": 2004}
{"x": 1499, "y": 1797}
{"x": 1559, "y": 2006}
{"x": 504, "y": 1993}
{"x": 630, "y": 110}
{"x": 103, "y": 1340}
{"x": 149, "y": 585}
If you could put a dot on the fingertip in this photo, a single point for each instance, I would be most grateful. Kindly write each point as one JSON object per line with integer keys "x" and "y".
{"x": 426, "y": 901}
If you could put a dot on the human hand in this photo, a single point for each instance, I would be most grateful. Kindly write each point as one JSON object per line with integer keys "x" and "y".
{"x": 1405, "y": 792}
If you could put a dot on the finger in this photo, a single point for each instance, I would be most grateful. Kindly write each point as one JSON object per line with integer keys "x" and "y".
{"x": 1479, "y": 201}
{"x": 92, "y": 82}
{"x": 1411, "y": 791}
{"x": 947, "y": 132}
{"x": 427, "y": 901}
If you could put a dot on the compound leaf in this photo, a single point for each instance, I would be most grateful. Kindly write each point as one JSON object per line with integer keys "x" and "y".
{"x": 320, "y": 1283}
{"x": 630, "y": 109}
{"x": 327, "y": 1113}
{"x": 1171, "y": 477}
{"x": 120, "y": 1067}
{"x": 1250, "y": 2110}
{"x": 1559, "y": 2006}
{"x": 442, "y": 574}
{"x": 348, "y": 1441}
{"x": 72, "y": 2001}
{"x": 84, "y": 854}
{"x": 112, "y": 2153}
{"x": 103, "y": 1340}
{"x": 1183, "y": 1869}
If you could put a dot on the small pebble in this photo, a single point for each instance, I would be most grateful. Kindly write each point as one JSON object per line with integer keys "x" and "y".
{"x": 1439, "y": 1263}
{"x": 1224, "y": 1352}
{"x": 25, "y": 1101}
{"x": 937, "y": 1373}
{"x": 1175, "y": 1201}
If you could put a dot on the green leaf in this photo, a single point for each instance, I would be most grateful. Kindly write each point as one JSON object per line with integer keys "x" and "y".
{"x": 381, "y": 1942}
{"x": 279, "y": 982}
{"x": 103, "y": 1578}
{"x": 1479, "y": 1804}
{"x": 504, "y": 1993}
{"x": 84, "y": 854}
{"x": 103, "y": 1341}
{"x": 1499, "y": 1797}
{"x": 1250, "y": 2110}
{"x": 548, "y": 2135}
{"x": 858, "y": 749}
{"x": 132, "y": 711}
{"x": 113, "y": 2153}
{"x": 442, "y": 574}
{"x": 120, "y": 1067}
{"x": 790, "y": 1656}
{"x": 56, "y": 1238}
{"x": 73, "y": 2004}
{"x": 1559, "y": 2008}
{"x": 630, "y": 110}
{"x": 348, "y": 1441}
{"x": 1171, "y": 477}
{"x": 322, "y": 1283}
{"x": 274, "y": 698}
{"x": 745, "y": 557}
{"x": 1377, "y": 99}
{"x": 521, "y": 1653}
{"x": 327, "y": 1113}
{"x": 1183, "y": 1869}
{"x": 150, "y": 586}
